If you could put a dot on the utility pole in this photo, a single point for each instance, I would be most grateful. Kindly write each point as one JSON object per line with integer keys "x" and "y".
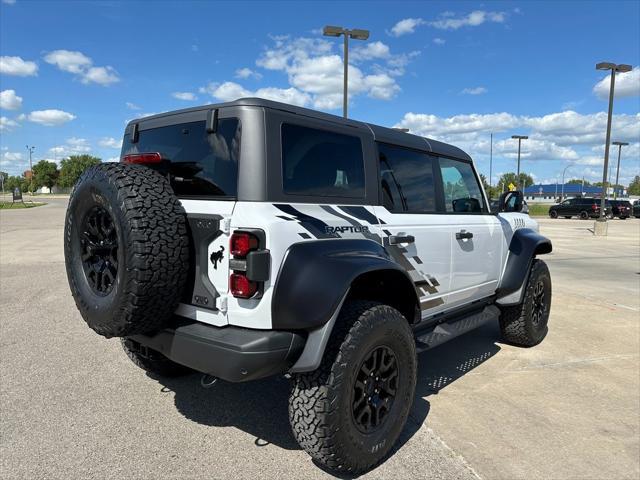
{"x": 30, "y": 149}
{"x": 357, "y": 34}
{"x": 620, "y": 145}
{"x": 600, "y": 226}
{"x": 519, "y": 138}
{"x": 490, "y": 164}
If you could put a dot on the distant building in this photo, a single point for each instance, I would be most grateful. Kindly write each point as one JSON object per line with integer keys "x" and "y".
{"x": 551, "y": 192}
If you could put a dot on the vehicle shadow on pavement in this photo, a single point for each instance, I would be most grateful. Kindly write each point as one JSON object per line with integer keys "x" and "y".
{"x": 440, "y": 367}
{"x": 259, "y": 408}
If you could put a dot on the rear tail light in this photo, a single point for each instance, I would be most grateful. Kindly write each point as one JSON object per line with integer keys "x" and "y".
{"x": 242, "y": 243}
{"x": 247, "y": 251}
{"x": 594, "y": 207}
{"x": 143, "y": 158}
{"x": 241, "y": 286}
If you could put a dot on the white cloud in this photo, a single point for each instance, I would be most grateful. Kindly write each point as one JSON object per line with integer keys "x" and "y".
{"x": 187, "y": 96}
{"x": 627, "y": 85}
{"x": 100, "y": 75}
{"x": 473, "y": 19}
{"x": 406, "y": 26}
{"x": 316, "y": 73}
{"x": 110, "y": 142}
{"x": 557, "y": 136}
{"x": 7, "y": 125}
{"x": 9, "y": 100}
{"x": 439, "y": 41}
{"x": 68, "y": 61}
{"x": 474, "y": 91}
{"x": 132, "y": 106}
{"x": 51, "y": 117}
{"x": 72, "y": 146}
{"x": 17, "y": 66}
{"x": 9, "y": 2}
{"x": 370, "y": 51}
{"x": 228, "y": 91}
{"x": 12, "y": 156}
{"x": 247, "y": 73}
{"x": 79, "y": 64}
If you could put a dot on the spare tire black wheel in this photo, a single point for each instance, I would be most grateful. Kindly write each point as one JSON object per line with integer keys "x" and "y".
{"x": 126, "y": 249}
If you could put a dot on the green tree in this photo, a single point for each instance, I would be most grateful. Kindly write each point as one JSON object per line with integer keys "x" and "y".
{"x": 492, "y": 192}
{"x": 71, "y": 168}
{"x": 578, "y": 181}
{"x": 508, "y": 178}
{"x": 634, "y": 186}
{"x": 45, "y": 174}
{"x": 12, "y": 182}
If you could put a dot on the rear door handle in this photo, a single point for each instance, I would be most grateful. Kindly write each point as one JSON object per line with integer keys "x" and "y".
{"x": 462, "y": 235}
{"x": 396, "y": 239}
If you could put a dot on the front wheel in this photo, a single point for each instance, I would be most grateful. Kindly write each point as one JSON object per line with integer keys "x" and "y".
{"x": 349, "y": 412}
{"x": 526, "y": 324}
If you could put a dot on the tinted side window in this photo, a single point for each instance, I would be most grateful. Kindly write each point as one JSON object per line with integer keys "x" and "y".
{"x": 462, "y": 193}
{"x": 317, "y": 162}
{"x": 406, "y": 180}
{"x": 197, "y": 163}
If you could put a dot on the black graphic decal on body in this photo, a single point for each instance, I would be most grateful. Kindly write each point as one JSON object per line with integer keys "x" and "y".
{"x": 314, "y": 226}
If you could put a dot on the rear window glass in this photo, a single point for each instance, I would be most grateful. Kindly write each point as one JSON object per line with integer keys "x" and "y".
{"x": 321, "y": 163}
{"x": 197, "y": 163}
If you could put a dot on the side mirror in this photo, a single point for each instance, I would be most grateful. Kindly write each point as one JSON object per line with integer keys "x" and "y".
{"x": 511, "y": 202}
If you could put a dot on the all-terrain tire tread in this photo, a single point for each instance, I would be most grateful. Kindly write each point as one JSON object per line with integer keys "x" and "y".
{"x": 513, "y": 321}
{"x": 312, "y": 401}
{"x": 157, "y": 251}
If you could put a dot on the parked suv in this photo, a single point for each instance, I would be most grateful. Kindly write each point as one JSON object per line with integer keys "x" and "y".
{"x": 254, "y": 238}
{"x": 636, "y": 208}
{"x": 621, "y": 209}
{"x": 583, "y": 207}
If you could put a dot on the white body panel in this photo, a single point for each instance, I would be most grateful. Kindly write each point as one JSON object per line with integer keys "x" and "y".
{"x": 447, "y": 272}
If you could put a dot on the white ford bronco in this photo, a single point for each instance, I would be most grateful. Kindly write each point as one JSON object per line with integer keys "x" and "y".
{"x": 254, "y": 238}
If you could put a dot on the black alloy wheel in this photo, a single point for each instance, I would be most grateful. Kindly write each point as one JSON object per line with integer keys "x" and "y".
{"x": 539, "y": 306}
{"x": 375, "y": 389}
{"x": 99, "y": 246}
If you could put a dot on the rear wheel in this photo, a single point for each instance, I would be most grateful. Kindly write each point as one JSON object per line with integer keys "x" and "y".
{"x": 553, "y": 214}
{"x": 526, "y": 324}
{"x": 584, "y": 215}
{"x": 152, "y": 361}
{"x": 349, "y": 412}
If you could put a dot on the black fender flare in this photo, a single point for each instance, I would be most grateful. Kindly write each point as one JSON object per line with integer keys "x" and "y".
{"x": 315, "y": 277}
{"x": 523, "y": 248}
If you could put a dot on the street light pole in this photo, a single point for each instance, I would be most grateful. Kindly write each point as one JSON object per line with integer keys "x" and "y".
{"x": 490, "y": 164}
{"x": 358, "y": 34}
{"x": 614, "y": 68}
{"x": 519, "y": 138}
{"x": 30, "y": 149}
{"x": 563, "y": 172}
{"x": 620, "y": 145}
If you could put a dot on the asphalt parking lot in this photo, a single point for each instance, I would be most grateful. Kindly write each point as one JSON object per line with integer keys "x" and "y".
{"x": 73, "y": 406}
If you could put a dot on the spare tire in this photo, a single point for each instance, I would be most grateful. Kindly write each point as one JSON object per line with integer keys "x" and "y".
{"x": 126, "y": 249}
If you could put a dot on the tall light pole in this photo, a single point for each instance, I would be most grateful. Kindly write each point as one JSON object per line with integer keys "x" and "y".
{"x": 563, "y": 172}
{"x": 620, "y": 145}
{"x": 30, "y": 149}
{"x": 614, "y": 68}
{"x": 490, "y": 165}
{"x": 357, "y": 34}
{"x": 519, "y": 138}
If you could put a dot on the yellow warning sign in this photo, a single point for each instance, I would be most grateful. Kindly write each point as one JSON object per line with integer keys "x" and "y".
{"x": 512, "y": 187}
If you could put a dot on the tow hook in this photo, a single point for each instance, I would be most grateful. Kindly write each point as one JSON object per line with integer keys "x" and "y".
{"x": 208, "y": 381}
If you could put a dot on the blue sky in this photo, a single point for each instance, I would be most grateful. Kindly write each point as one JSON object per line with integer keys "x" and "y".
{"x": 72, "y": 73}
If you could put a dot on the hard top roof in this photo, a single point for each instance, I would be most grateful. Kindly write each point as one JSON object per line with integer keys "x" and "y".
{"x": 382, "y": 134}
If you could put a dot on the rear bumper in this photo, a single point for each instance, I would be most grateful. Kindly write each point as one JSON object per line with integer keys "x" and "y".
{"x": 231, "y": 353}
